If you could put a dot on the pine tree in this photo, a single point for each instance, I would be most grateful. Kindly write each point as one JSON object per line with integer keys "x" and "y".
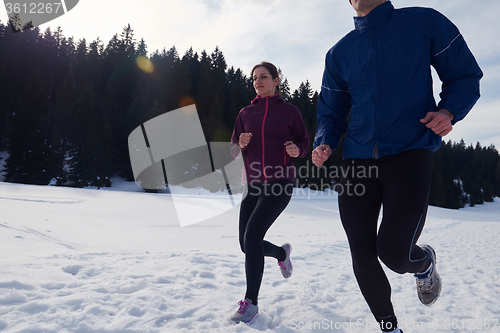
{"x": 4, "y": 110}
{"x": 64, "y": 121}
{"x": 214, "y": 122}
{"x": 284, "y": 86}
{"x": 119, "y": 129}
{"x": 80, "y": 65}
{"x": 302, "y": 98}
{"x": 142, "y": 49}
{"x": 127, "y": 41}
{"x": 91, "y": 157}
{"x": 205, "y": 92}
{"x": 438, "y": 189}
{"x": 170, "y": 64}
{"x": 94, "y": 63}
{"x": 238, "y": 95}
{"x": 182, "y": 89}
{"x": 497, "y": 178}
{"x": 29, "y": 160}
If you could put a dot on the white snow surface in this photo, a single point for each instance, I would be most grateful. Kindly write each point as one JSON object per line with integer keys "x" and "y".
{"x": 117, "y": 260}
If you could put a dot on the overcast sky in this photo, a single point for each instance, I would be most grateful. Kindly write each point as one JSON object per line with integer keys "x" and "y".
{"x": 293, "y": 34}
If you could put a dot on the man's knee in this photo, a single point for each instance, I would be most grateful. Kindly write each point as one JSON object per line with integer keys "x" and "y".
{"x": 395, "y": 259}
{"x": 365, "y": 263}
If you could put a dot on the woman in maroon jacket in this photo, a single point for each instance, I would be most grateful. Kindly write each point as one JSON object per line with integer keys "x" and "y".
{"x": 269, "y": 132}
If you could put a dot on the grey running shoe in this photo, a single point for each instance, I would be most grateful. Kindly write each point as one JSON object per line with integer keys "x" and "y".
{"x": 245, "y": 313}
{"x": 286, "y": 265}
{"x": 429, "y": 284}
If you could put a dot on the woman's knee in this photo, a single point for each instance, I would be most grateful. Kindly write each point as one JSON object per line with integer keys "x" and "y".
{"x": 248, "y": 242}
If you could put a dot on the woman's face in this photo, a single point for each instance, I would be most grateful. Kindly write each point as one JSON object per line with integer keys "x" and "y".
{"x": 263, "y": 82}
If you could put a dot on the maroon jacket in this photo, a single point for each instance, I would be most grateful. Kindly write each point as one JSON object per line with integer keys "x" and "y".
{"x": 272, "y": 122}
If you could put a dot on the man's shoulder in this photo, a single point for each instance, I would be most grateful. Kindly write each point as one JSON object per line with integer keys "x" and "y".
{"x": 411, "y": 18}
{"x": 420, "y": 12}
{"x": 344, "y": 43}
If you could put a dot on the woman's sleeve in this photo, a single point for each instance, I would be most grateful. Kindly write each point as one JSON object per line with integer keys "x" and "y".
{"x": 300, "y": 136}
{"x": 239, "y": 128}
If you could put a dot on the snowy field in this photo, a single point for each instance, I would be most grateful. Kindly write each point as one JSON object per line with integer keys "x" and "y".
{"x": 117, "y": 260}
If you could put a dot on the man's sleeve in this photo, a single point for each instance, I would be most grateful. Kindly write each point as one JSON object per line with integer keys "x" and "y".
{"x": 334, "y": 105}
{"x": 456, "y": 66}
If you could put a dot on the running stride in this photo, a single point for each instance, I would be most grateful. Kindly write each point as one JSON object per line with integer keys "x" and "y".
{"x": 377, "y": 91}
{"x": 269, "y": 133}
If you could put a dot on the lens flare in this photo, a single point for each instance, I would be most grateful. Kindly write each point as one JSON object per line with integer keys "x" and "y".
{"x": 145, "y": 64}
{"x": 186, "y": 100}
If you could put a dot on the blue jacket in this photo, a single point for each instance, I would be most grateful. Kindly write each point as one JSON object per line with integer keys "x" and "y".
{"x": 377, "y": 82}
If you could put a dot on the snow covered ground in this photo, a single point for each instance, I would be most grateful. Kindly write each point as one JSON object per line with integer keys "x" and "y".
{"x": 117, "y": 260}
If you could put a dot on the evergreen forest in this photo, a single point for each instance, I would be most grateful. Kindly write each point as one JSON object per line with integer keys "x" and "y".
{"x": 67, "y": 108}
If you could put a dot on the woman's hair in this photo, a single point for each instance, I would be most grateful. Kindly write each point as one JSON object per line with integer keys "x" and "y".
{"x": 271, "y": 69}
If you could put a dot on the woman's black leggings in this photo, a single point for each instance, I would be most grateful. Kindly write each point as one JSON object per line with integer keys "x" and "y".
{"x": 400, "y": 184}
{"x": 260, "y": 207}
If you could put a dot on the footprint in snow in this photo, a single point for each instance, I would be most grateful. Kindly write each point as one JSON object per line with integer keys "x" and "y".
{"x": 207, "y": 275}
{"x": 72, "y": 269}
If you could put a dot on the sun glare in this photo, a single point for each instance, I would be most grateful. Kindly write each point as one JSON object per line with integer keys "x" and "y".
{"x": 145, "y": 64}
{"x": 185, "y": 101}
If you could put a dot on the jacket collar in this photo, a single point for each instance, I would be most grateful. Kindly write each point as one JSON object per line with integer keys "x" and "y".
{"x": 377, "y": 14}
{"x": 275, "y": 98}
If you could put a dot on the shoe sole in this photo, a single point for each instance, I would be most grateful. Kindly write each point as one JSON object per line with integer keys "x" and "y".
{"x": 232, "y": 322}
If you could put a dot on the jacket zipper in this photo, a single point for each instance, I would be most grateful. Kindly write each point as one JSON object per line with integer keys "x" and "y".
{"x": 263, "y": 141}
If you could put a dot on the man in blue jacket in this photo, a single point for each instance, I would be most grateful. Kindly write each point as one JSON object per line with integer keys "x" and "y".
{"x": 377, "y": 91}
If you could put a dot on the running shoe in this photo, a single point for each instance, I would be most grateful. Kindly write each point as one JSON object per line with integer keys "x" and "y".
{"x": 429, "y": 283}
{"x": 245, "y": 313}
{"x": 286, "y": 265}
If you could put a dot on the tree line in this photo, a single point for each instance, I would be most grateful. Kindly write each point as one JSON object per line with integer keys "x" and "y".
{"x": 68, "y": 107}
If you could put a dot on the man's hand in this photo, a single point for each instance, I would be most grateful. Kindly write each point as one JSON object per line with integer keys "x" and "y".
{"x": 320, "y": 154}
{"x": 439, "y": 122}
{"x": 244, "y": 140}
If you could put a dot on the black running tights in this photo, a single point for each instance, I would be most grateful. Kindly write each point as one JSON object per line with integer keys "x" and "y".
{"x": 260, "y": 207}
{"x": 400, "y": 184}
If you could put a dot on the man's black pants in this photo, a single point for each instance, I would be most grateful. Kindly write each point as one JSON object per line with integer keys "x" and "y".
{"x": 400, "y": 184}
